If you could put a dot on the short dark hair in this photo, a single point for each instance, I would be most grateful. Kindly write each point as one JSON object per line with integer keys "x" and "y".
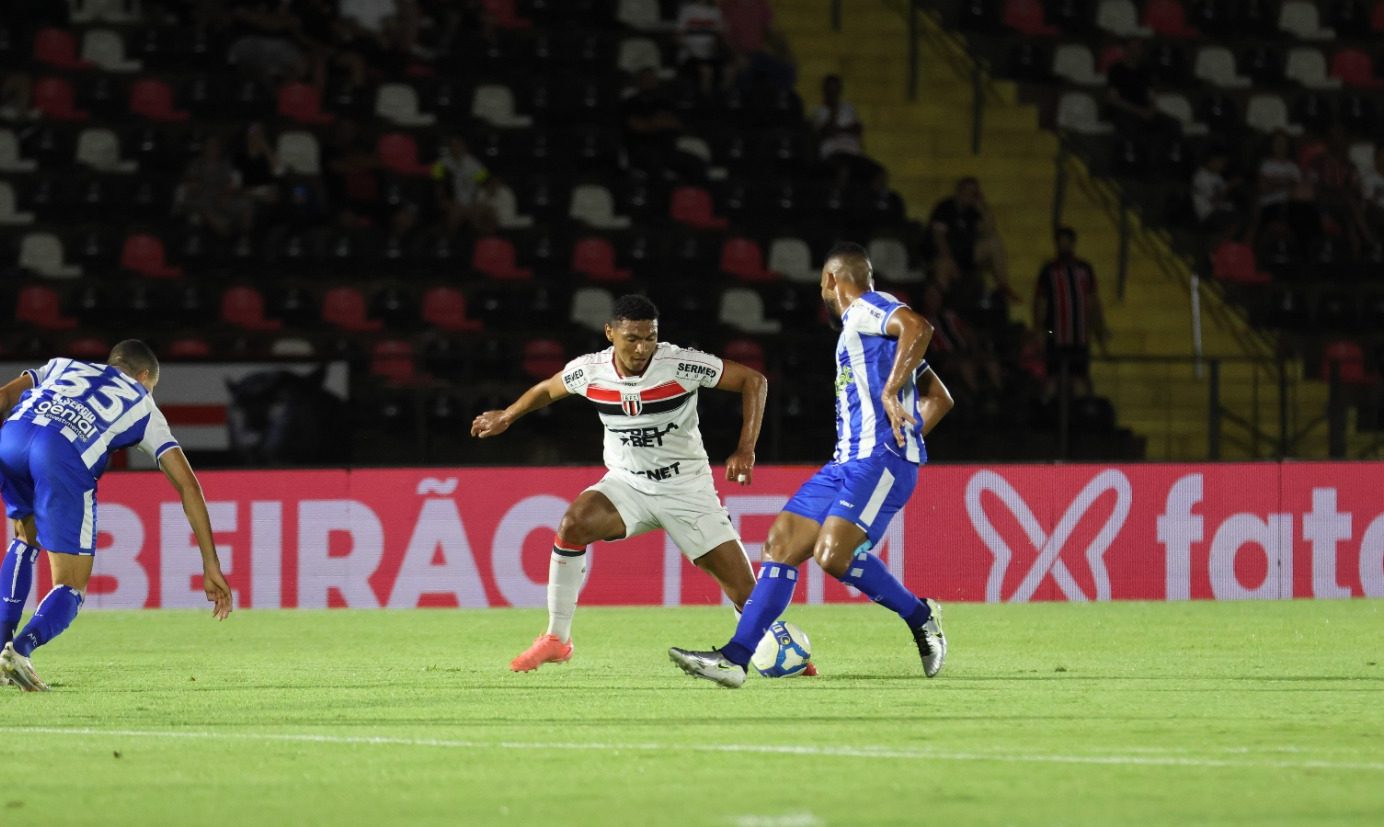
{"x": 854, "y": 256}
{"x": 1065, "y": 232}
{"x": 134, "y": 357}
{"x": 634, "y": 308}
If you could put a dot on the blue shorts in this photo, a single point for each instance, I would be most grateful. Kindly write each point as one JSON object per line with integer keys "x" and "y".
{"x": 867, "y": 492}
{"x": 42, "y": 474}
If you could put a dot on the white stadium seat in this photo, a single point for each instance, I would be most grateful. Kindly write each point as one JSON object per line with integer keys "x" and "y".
{"x": 1075, "y": 62}
{"x": 1307, "y": 66}
{"x": 100, "y": 150}
{"x": 9, "y": 214}
{"x": 592, "y": 307}
{"x": 1268, "y": 114}
{"x": 106, "y": 49}
{"x": 890, "y": 259}
{"x": 1179, "y": 107}
{"x": 506, "y": 208}
{"x": 593, "y": 205}
{"x": 1216, "y": 65}
{"x": 10, "y": 161}
{"x": 1077, "y": 112}
{"x": 398, "y": 102}
{"x": 298, "y": 153}
{"x": 1300, "y": 18}
{"x": 792, "y": 258}
{"x": 494, "y": 104}
{"x": 642, "y": 15}
{"x": 42, "y": 253}
{"x": 1120, "y": 17}
{"x": 743, "y": 309}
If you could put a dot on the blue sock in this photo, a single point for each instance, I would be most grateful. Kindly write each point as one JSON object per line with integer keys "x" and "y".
{"x": 54, "y": 614}
{"x": 16, "y": 578}
{"x": 867, "y": 573}
{"x": 772, "y": 594}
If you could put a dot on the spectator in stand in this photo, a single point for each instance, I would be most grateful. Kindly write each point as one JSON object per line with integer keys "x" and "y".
{"x": 1285, "y": 195}
{"x": 1129, "y": 95}
{"x": 956, "y": 349}
{"x": 759, "y": 54}
{"x": 351, "y": 173}
{"x": 1372, "y": 194}
{"x": 652, "y": 127}
{"x": 464, "y": 187}
{"x": 700, "y": 28}
{"x": 965, "y": 241}
{"x": 262, "y": 34}
{"x": 1212, "y": 194}
{"x": 17, "y": 97}
{"x": 210, "y": 195}
{"x": 1067, "y": 311}
{"x": 257, "y": 165}
{"x": 1337, "y": 184}
{"x": 840, "y": 136}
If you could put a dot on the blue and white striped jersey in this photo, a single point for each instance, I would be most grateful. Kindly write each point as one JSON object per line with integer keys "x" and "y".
{"x": 97, "y": 407}
{"x": 864, "y": 357}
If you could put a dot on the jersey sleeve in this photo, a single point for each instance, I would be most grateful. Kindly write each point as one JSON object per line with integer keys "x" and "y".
{"x": 869, "y": 318}
{"x": 37, "y": 375}
{"x": 696, "y": 367}
{"x": 576, "y": 376}
{"x": 158, "y": 437}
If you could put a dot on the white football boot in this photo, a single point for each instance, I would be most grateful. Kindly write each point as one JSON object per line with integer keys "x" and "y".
{"x": 709, "y": 665}
{"x": 932, "y": 644}
{"x": 19, "y": 671}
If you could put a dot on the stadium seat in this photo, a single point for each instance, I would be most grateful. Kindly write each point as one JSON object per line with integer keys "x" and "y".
{"x": 1216, "y": 65}
{"x": 57, "y": 48}
{"x": 42, "y": 253}
{"x": 394, "y": 361}
{"x": 506, "y": 207}
{"x": 1300, "y": 19}
{"x": 494, "y": 104}
{"x": 542, "y": 358}
{"x": 743, "y": 259}
{"x": 299, "y": 153}
{"x": 1179, "y": 107}
{"x": 9, "y": 214}
{"x": 890, "y": 259}
{"x": 693, "y": 206}
{"x": 445, "y": 309}
{"x": 1078, "y": 112}
{"x": 638, "y": 54}
{"x": 55, "y": 100}
{"x": 593, "y": 205}
{"x": 505, "y": 15}
{"x": 153, "y": 99}
{"x": 187, "y": 348}
{"x": 743, "y": 309}
{"x": 1268, "y": 113}
{"x": 398, "y": 102}
{"x": 93, "y": 348}
{"x": 242, "y": 306}
{"x": 1167, "y": 18}
{"x": 292, "y": 347}
{"x": 1074, "y": 62}
{"x": 495, "y": 257}
{"x": 1355, "y": 69}
{"x": 641, "y": 15}
{"x": 10, "y": 159}
{"x": 592, "y": 307}
{"x": 594, "y": 258}
{"x": 747, "y": 352}
{"x": 1307, "y": 66}
{"x": 144, "y": 255}
{"x": 792, "y": 259}
{"x": 1120, "y": 17}
{"x": 106, "y": 49}
{"x": 1362, "y": 155}
{"x": 100, "y": 150}
{"x": 1026, "y": 17}
{"x": 398, "y": 152}
{"x": 1349, "y": 359}
{"x": 1234, "y": 262}
{"x": 343, "y": 307}
{"x": 39, "y": 306}
{"x": 303, "y": 103}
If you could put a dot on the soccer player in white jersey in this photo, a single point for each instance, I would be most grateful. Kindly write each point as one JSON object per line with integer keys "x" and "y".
{"x": 658, "y": 474}
{"x": 62, "y": 422}
{"x": 841, "y": 513}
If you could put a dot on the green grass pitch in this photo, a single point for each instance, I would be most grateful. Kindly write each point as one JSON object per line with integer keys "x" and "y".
{"x": 1190, "y": 713}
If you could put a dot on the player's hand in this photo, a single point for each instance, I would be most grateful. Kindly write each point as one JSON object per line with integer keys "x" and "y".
{"x": 898, "y": 417}
{"x": 740, "y": 467}
{"x": 490, "y": 423}
{"x": 218, "y": 592}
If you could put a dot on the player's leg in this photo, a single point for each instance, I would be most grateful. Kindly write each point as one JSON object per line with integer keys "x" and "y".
{"x": 17, "y": 576}
{"x": 730, "y": 567}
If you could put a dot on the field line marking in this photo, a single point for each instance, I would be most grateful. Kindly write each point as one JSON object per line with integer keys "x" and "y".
{"x": 756, "y": 749}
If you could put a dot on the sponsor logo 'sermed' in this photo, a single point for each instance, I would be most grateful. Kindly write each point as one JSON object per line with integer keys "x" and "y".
{"x": 695, "y": 371}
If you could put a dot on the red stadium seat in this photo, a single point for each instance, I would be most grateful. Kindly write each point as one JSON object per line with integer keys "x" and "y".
{"x": 344, "y": 308}
{"x": 302, "y": 103}
{"x": 394, "y": 361}
{"x": 505, "y": 14}
{"x": 1168, "y": 18}
{"x": 57, "y": 48}
{"x": 1377, "y": 17}
{"x": 1355, "y": 68}
{"x": 153, "y": 99}
{"x": 399, "y": 153}
{"x": 39, "y": 306}
{"x": 1234, "y": 262}
{"x": 595, "y": 258}
{"x": 495, "y": 257}
{"x": 747, "y": 352}
{"x": 693, "y": 206}
{"x": 243, "y": 307}
{"x": 445, "y": 309}
{"x": 92, "y": 348}
{"x": 742, "y": 258}
{"x": 188, "y": 347}
{"x": 144, "y": 254}
{"x": 1026, "y": 17}
{"x": 1349, "y": 358}
{"x": 542, "y": 358}
{"x": 56, "y": 100}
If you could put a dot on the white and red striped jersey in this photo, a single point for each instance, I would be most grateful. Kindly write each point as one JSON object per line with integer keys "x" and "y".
{"x": 651, "y": 433}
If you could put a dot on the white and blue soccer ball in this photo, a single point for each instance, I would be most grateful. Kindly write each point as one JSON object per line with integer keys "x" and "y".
{"x": 782, "y": 652}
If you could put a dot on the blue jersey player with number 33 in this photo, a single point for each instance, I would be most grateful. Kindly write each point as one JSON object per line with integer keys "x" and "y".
{"x": 887, "y": 399}
{"x": 62, "y": 421}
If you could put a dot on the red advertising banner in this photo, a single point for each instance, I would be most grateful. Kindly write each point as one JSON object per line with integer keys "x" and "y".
{"x": 481, "y": 537}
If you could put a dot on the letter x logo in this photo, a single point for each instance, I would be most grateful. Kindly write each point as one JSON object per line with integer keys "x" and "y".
{"x": 1049, "y": 546}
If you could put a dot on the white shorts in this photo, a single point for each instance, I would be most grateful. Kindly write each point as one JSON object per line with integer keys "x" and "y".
{"x": 693, "y": 517}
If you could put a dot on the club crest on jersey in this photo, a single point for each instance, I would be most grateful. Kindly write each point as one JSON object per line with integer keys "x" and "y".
{"x": 630, "y": 403}
{"x": 844, "y": 377}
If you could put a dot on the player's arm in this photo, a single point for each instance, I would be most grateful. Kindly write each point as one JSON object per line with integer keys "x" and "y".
{"x": 936, "y": 401}
{"x": 175, "y": 466}
{"x": 754, "y": 390}
{"x": 545, "y": 393}
{"x": 10, "y": 393}
{"x": 913, "y": 333}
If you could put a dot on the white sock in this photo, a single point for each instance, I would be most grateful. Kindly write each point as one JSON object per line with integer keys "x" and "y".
{"x": 564, "y": 583}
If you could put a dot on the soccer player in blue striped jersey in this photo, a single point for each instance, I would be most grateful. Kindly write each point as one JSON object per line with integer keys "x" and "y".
{"x": 841, "y": 513}
{"x": 62, "y": 421}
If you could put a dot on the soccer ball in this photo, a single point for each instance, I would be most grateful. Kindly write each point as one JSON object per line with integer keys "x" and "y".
{"x": 782, "y": 652}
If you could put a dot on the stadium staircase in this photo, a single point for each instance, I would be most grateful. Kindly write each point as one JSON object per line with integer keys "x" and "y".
{"x": 1161, "y": 393}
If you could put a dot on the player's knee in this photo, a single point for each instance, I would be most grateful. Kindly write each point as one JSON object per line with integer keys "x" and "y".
{"x": 576, "y": 529}
{"x": 833, "y": 557}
